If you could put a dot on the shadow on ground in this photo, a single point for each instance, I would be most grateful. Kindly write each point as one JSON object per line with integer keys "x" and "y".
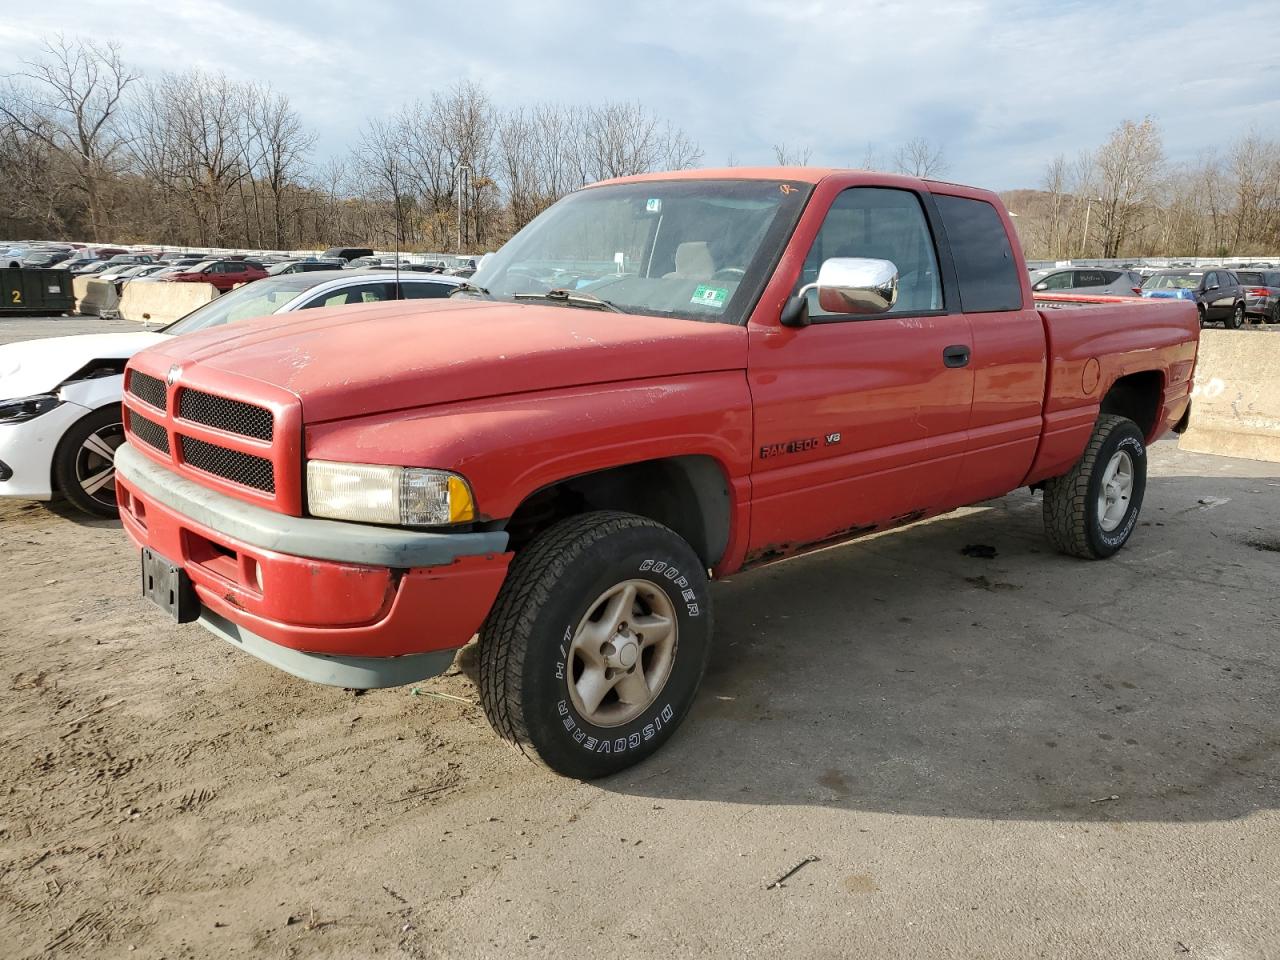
{"x": 899, "y": 675}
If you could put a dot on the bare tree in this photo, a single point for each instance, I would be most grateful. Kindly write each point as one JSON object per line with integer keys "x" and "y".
{"x": 789, "y": 156}
{"x": 919, "y": 157}
{"x": 69, "y": 102}
{"x": 1130, "y": 165}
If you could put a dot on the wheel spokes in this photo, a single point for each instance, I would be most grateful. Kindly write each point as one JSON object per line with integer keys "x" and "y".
{"x": 95, "y": 444}
{"x": 592, "y": 687}
{"x": 99, "y": 480}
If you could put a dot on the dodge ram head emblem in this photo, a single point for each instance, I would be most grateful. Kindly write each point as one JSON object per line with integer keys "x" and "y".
{"x": 172, "y": 376}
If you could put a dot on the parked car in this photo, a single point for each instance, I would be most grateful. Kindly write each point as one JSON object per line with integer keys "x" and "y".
{"x": 45, "y": 259}
{"x": 223, "y": 274}
{"x": 304, "y": 266}
{"x": 356, "y": 263}
{"x": 60, "y": 424}
{"x": 1108, "y": 282}
{"x": 1217, "y": 293}
{"x": 1261, "y": 294}
{"x": 657, "y": 377}
{"x": 346, "y": 253}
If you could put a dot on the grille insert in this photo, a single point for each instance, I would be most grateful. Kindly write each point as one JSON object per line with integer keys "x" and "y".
{"x": 148, "y": 432}
{"x": 223, "y": 413}
{"x": 242, "y": 468}
{"x": 148, "y": 389}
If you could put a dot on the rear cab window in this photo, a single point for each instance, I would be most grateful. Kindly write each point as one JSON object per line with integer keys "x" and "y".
{"x": 986, "y": 269}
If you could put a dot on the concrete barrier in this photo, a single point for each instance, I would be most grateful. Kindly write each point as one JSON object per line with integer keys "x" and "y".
{"x": 1235, "y": 403}
{"x": 163, "y": 302}
{"x": 80, "y": 287}
{"x": 100, "y": 298}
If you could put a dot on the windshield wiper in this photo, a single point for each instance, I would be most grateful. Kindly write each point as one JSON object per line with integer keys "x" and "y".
{"x": 575, "y": 298}
{"x": 465, "y": 287}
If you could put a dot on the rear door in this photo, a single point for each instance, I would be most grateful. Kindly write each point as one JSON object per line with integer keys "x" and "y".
{"x": 860, "y": 422}
{"x": 1212, "y": 296}
{"x": 1008, "y": 363}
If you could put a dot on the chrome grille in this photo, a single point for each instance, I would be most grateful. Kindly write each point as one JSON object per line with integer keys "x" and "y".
{"x": 223, "y": 413}
{"x": 242, "y": 468}
{"x": 148, "y": 432}
{"x": 147, "y": 389}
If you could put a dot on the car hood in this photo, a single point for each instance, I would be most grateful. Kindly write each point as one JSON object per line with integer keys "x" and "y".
{"x": 38, "y": 366}
{"x": 345, "y": 362}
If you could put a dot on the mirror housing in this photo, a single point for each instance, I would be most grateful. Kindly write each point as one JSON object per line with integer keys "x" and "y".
{"x": 860, "y": 286}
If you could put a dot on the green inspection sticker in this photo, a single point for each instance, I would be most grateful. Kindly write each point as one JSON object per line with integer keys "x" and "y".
{"x": 706, "y": 296}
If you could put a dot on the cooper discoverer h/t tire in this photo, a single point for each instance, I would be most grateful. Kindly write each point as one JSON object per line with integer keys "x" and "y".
{"x": 594, "y": 649}
{"x": 1092, "y": 511}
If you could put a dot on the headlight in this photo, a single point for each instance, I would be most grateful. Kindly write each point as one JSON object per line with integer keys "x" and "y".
{"x": 403, "y": 496}
{"x": 27, "y": 408}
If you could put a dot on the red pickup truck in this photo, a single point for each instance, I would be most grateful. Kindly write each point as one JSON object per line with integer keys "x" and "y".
{"x": 659, "y": 381}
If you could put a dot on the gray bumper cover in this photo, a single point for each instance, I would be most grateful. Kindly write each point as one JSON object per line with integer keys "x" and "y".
{"x": 300, "y": 536}
{"x": 358, "y": 673}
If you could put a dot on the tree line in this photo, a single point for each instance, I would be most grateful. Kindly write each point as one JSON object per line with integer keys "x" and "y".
{"x": 91, "y": 150}
{"x": 1126, "y": 199}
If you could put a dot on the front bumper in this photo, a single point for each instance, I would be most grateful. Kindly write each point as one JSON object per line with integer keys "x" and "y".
{"x": 339, "y": 603}
{"x": 27, "y": 449}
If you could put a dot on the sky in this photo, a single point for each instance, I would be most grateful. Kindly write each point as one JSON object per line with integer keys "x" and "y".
{"x": 1002, "y": 87}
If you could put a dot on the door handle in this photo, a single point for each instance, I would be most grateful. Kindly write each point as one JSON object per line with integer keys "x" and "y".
{"x": 956, "y": 356}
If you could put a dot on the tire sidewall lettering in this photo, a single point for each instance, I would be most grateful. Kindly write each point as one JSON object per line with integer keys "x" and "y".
{"x": 689, "y": 605}
{"x": 1115, "y": 539}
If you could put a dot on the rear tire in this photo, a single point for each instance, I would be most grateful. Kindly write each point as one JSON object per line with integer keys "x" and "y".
{"x": 1092, "y": 511}
{"x": 1236, "y": 320}
{"x": 570, "y": 622}
{"x": 1275, "y": 314}
{"x": 84, "y": 463}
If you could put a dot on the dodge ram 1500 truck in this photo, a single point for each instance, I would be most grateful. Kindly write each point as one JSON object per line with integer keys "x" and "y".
{"x": 660, "y": 380}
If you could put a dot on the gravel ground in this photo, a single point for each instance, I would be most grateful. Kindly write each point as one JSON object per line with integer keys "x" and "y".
{"x": 1007, "y": 758}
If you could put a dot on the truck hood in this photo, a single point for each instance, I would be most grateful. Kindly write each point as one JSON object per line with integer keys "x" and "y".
{"x": 39, "y": 366}
{"x": 345, "y": 362}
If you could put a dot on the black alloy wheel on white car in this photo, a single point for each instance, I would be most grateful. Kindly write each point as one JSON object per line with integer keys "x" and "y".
{"x": 84, "y": 468}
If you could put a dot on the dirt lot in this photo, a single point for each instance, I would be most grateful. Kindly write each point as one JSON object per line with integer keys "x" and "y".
{"x": 1017, "y": 757}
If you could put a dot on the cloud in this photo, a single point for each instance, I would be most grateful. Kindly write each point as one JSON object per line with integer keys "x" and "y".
{"x": 1002, "y": 86}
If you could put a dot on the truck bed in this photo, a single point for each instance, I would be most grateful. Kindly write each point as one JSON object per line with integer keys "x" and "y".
{"x": 1094, "y": 341}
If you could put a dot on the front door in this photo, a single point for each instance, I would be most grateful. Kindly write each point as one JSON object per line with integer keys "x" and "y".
{"x": 860, "y": 422}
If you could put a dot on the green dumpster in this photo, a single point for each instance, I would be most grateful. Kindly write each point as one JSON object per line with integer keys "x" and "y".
{"x": 30, "y": 291}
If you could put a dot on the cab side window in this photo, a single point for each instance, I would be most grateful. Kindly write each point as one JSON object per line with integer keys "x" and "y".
{"x": 880, "y": 223}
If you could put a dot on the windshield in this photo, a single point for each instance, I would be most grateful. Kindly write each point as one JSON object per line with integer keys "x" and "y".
{"x": 694, "y": 249}
{"x": 257, "y": 299}
{"x": 1173, "y": 281}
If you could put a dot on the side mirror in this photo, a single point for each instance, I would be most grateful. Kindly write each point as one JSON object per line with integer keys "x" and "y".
{"x": 856, "y": 285}
{"x": 1041, "y": 286}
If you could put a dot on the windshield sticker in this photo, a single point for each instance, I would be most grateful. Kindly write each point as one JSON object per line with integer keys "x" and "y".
{"x": 653, "y": 206}
{"x": 706, "y": 296}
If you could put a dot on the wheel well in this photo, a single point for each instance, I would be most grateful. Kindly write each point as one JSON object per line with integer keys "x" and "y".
{"x": 1136, "y": 396}
{"x": 688, "y": 494}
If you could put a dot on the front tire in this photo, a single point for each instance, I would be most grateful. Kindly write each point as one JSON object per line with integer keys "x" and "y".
{"x": 594, "y": 650}
{"x": 84, "y": 464}
{"x": 1092, "y": 511}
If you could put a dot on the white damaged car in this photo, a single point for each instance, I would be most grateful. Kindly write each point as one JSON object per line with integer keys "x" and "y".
{"x": 60, "y": 398}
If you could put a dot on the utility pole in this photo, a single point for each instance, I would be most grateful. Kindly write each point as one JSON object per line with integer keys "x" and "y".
{"x": 1088, "y": 208}
{"x": 457, "y": 179}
